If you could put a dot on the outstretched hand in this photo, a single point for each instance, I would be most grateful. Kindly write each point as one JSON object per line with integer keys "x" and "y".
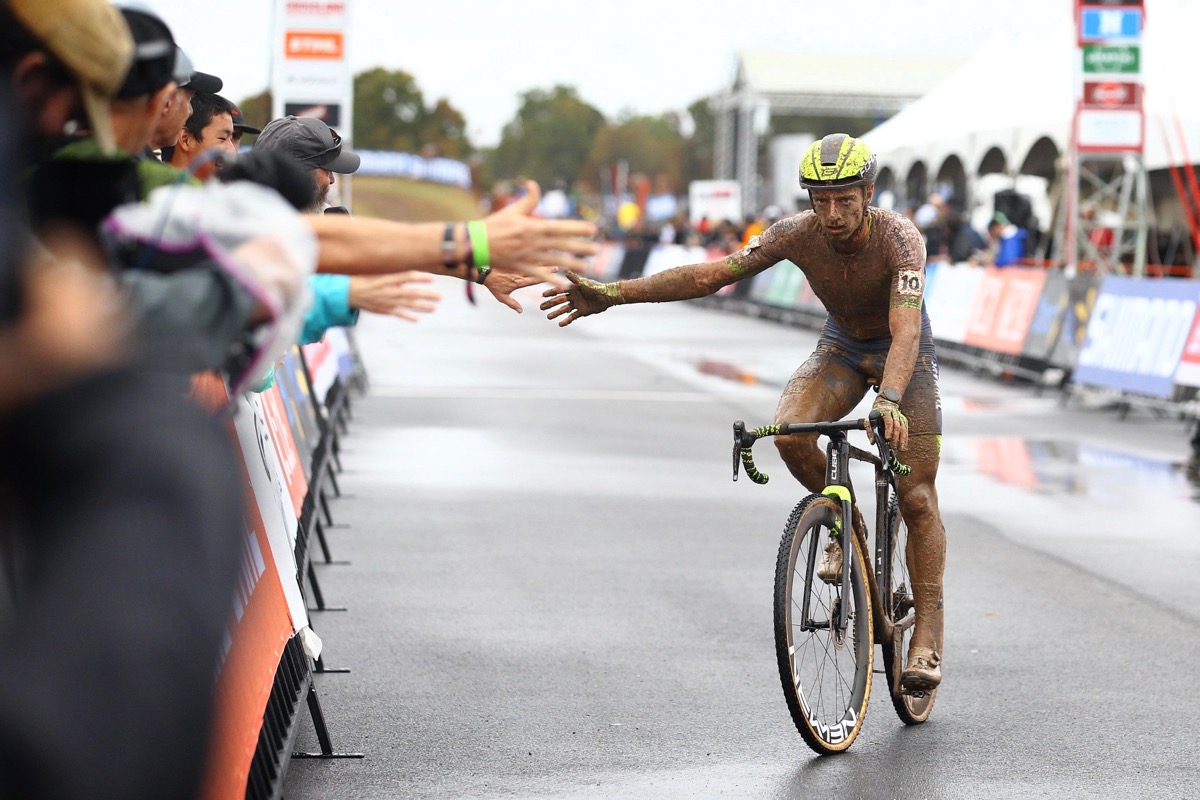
{"x": 582, "y": 297}
{"x": 393, "y": 294}
{"x": 503, "y": 284}
{"x": 526, "y": 245}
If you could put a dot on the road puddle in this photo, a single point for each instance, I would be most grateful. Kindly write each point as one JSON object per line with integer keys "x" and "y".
{"x": 1071, "y": 468}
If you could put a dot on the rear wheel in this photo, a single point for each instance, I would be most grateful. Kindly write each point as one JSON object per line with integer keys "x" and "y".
{"x": 826, "y": 673}
{"x": 895, "y": 587}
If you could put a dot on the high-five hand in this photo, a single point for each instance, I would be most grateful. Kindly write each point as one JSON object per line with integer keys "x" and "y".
{"x": 582, "y": 298}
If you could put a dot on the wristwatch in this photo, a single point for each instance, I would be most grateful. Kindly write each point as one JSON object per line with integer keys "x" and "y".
{"x": 891, "y": 395}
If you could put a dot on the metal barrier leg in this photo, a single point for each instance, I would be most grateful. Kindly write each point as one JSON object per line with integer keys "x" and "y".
{"x": 317, "y": 595}
{"x": 318, "y": 718}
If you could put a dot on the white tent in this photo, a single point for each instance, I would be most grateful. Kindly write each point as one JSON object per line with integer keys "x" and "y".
{"x": 1016, "y": 91}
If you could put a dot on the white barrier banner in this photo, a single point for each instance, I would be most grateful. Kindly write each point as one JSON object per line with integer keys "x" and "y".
{"x": 950, "y": 299}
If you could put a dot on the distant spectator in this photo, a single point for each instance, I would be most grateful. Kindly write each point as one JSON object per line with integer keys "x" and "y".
{"x": 207, "y": 135}
{"x": 240, "y": 126}
{"x": 966, "y": 243}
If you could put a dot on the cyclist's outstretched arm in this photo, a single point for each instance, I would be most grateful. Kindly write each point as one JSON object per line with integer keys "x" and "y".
{"x": 585, "y": 296}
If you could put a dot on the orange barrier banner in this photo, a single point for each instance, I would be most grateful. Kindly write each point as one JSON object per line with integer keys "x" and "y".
{"x": 1003, "y": 308}
{"x": 291, "y": 468}
{"x": 258, "y": 632}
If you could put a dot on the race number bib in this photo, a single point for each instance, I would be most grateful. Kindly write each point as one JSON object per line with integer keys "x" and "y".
{"x": 911, "y": 282}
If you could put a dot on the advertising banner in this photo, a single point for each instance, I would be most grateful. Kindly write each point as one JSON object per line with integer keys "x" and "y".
{"x": 1003, "y": 307}
{"x": 786, "y": 285}
{"x": 322, "y": 364}
{"x": 760, "y": 288}
{"x": 300, "y": 406}
{"x": 949, "y": 299}
{"x": 1082, "y": 291}
{"x": 1188, "y": 373}
{"x": 274, "y": 503}
{"x": 310, "y": 70}
{"x": 1047, "y": 321}
{"x": 1112, "y": 59}
{"x": 261, "y": 625}
{"x": 1137, "y": 334}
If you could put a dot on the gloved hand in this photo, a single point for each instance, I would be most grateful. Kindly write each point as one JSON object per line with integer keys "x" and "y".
{"x": 895, "y": 424}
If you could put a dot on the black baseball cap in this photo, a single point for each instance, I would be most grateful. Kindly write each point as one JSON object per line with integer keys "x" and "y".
{"x": 186, "y": 76}
{"x": 153, "y": 65}
{"x": 309, "y": 141}
{"x": 239, "y": 122}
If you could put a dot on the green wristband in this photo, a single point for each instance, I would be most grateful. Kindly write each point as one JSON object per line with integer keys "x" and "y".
{"x": 477, "y": 231}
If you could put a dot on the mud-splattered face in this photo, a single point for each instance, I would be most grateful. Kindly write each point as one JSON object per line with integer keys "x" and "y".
{"x": 841, "y": 211}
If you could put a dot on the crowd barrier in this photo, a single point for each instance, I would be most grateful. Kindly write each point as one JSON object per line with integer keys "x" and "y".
{"x": 288, "y": 439}
{"x": 1136, "y": 339}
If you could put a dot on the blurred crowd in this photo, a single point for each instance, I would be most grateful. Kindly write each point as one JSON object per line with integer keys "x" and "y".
{"x": 140, "y": 256}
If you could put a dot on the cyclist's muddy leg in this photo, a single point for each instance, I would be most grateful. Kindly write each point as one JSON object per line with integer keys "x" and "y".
{"x": 822, "y": 389}
{"x": 926, "y": 554}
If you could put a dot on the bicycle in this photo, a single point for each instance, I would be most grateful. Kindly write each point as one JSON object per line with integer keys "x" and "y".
{"x": 825, "y": 633}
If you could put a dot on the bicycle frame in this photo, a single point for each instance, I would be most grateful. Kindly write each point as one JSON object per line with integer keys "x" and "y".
{"x": 838, "y": 485}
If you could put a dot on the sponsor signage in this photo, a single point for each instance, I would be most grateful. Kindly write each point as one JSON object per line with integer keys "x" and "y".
{"x": 314, "y": 44}
{"x": 949, "y": 299}
{"x": 1137, "y": 335}
{"x": 1109, "y": 23}
{"x": 1188, "y": 373}
{"x": 1112, "y": 94}
{"x": 1114, "y": 59}
{"x": 1046, "y": 323}
{"x": 1110, "y": 130}
{"x": 1003, "y": 308}
{"x": 310, "y": 66}
{"x": 330, "y": 113}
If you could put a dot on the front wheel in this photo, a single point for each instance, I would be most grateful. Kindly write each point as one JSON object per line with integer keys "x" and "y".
{"x": 895, "y": 587}
{"x": 826, "y": 672}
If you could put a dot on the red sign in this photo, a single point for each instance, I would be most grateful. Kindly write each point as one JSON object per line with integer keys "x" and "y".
{"x": 1003, "y": 308}
{"x": 329, "y": 45}
{"x": 1112, "y": 94}
{"x": 1188, "y": 372}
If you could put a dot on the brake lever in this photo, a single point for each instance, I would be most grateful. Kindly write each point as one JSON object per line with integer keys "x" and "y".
{"x": 739, "y": 430}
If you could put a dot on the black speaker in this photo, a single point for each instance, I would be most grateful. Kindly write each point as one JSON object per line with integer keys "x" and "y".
{"x": 1016, "y": 206}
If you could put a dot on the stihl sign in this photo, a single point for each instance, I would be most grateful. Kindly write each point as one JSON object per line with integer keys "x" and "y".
{"x": 314, "y": 44}
{"x": 1112, "y": 94}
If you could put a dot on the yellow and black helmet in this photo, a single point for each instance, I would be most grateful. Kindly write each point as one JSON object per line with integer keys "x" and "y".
{"x": 838, "y": 161}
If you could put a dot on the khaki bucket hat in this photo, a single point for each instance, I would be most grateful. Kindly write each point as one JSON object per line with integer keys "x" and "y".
{"x": 91, "y": 39}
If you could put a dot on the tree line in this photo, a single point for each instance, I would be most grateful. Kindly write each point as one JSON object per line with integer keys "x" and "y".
{"x": 556, "y": 137}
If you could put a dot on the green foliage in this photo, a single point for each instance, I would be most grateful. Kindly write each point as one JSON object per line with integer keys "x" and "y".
{"x": 701, "y": 145}
{"x": 390, "y": 114}
{"x": 652, "y": 146}
{"x": 256, "y": 110}
{"x": 550, "y": 138}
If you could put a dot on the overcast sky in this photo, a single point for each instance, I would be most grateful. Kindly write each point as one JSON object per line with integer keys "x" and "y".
{"x": 648, "y": 56}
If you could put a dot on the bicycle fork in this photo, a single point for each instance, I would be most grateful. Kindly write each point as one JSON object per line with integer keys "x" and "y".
{"x": 837, "y": 486}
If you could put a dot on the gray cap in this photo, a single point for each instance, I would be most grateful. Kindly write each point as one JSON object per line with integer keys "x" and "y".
{"x": 310, "y": 141}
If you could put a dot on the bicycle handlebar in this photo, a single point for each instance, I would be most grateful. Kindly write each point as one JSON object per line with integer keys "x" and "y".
{"x": 743, "y": 441}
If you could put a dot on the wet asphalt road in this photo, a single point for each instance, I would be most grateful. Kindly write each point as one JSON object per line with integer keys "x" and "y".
{"x": 557, "y": 591}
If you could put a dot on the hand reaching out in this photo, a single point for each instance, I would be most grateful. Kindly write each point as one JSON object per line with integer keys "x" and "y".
{"x": 581, "y": 298}
{"x": 524, "y": 244}
{"x": 393, "y": 294}
{"x": 503, "y": 284}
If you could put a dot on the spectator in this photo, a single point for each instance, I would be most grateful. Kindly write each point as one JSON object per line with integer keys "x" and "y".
{"x": 338, "y": 299}
{"x": 966, "y": 243}
{"x": 316, "y": 147}
{"x": 240, "y": 128}
{"x": 178, "y": 105}
{"x": 207, "y": 137}
{"x": 127, "y": 552}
